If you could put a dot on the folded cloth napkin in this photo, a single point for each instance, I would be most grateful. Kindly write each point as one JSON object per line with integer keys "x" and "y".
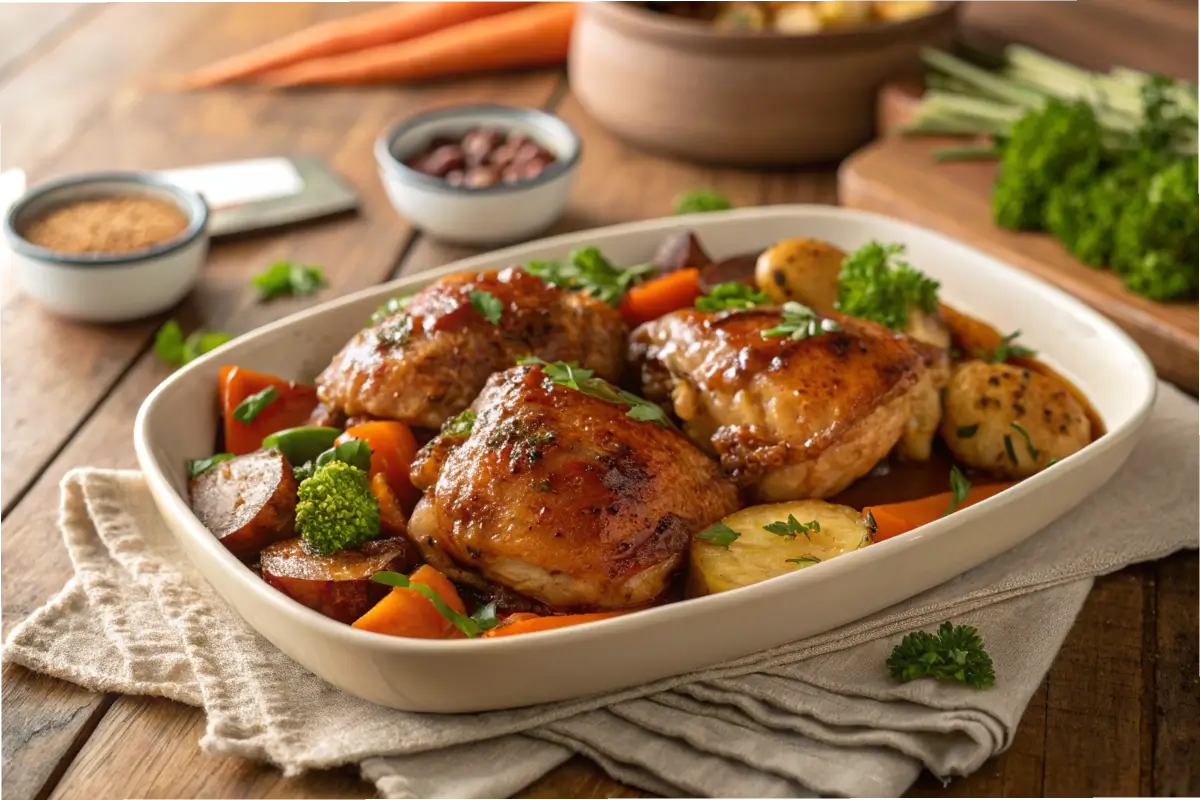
{"x": 819, "y": 716}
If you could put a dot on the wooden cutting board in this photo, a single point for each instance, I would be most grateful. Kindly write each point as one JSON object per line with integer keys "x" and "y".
{"x": 897, "y": 176}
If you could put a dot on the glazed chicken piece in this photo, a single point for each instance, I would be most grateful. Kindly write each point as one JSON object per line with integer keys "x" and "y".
{"x": 428, "y": 362}
{"x": 563, "y": 497}
{"x": 789, "y": 418}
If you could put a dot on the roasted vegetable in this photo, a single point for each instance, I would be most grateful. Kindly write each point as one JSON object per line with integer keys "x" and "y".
{"x": 680, "y": 251}
{"x": 893, "y": 519}
{"x": 289, "y": 407}
{"x": 407, "y": 612}
{"x": 247, "y": 502}
{"x": 393, "y": 448}
{"x": 659, "y": 296}
{"x": 335, "y": 509}
{"x": 300, "y": 445}
{"x": 338, "y": 585}
{"x": 763, "y": 542}
{"x": 804, "y": 270}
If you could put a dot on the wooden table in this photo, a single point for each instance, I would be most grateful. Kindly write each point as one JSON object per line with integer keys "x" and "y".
{"x": 1118, "y": 714}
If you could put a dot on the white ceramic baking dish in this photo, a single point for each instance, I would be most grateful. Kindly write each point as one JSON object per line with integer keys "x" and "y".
{"x": 178, "y": 422}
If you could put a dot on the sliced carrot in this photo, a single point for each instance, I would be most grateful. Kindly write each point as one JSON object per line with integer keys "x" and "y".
{"x": 652, "y": 299}
{"x": 513, "y": 626}
{"x": 393, "y": 448}
{"x": 289, "y": 410}
{"x": 894, "y": 519}
{"x": 533, "y": 36}
{"x": 405, "y": 612}
{"x": 392, "y": 520}
{"x": 394, "y": 23}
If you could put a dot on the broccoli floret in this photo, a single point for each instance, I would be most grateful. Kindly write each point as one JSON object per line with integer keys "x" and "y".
{"x": 1043, "y": 146}
{"x": 335, "y": 509}
{"x": 1155, "y": 245}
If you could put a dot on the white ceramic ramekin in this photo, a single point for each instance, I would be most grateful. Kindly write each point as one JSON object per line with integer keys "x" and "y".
{"x": 483, "y": 216}
{"x": 108, "y": 287}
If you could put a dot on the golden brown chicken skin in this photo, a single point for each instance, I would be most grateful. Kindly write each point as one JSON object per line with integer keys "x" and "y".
{"x": 428, "y": 362}
{"x": 789, "y": 418}
{"x": 563, "y": 497}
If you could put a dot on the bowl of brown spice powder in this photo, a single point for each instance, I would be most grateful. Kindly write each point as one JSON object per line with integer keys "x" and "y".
{"x": 108, "y": 247}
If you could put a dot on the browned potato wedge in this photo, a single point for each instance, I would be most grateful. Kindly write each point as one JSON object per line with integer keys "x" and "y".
{"x": 758, "y": 554}
{"x": 680, "y": 251}
{"x": 803, "y": 270}
{"x": 247, "y": 502}
{"x": 338, "y": 586}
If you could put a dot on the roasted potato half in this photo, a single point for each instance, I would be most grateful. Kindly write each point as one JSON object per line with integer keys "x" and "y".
{"x": 804, "y": 270}
{"x": 758, "y": 553}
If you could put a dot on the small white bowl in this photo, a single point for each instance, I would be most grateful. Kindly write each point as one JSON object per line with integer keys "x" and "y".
{"x": 108, "y": 287}
{"x": 483, "y": 216}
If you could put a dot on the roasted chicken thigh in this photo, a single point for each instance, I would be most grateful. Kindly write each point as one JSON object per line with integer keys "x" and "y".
{"x": 563, "y": 496}
{"x": 789, "y": 417}
{"x": 427, "y": 362}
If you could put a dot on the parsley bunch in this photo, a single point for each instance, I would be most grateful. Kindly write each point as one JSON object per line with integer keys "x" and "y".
{"x": 587, "y": 270}
{"x": 878, "y": 284}
{"x": 954, "y": 653}
{"x": 573, "y": 376}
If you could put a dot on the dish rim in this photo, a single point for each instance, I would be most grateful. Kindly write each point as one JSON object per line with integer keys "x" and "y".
{"x": 669, "y": 612}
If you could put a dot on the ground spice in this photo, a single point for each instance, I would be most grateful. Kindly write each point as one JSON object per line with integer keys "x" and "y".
{"x": 107, "y": 225}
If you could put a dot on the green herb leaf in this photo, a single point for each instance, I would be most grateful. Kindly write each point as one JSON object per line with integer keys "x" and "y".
{"x": 878, "y": 284}
{"x": 461, "y": 424}
{"x": 253, "y": 405}
{"x": 952, "y": 654}
{"x": 393, "y": 306}
{"x": 1033, "y": 451}
{"x": 800, "y": 322}
{"x": 872, "y": 525}
{"x": 1008, "y": 448}
{"x": 201, "y": 342}
{"x": 804, "y": 560}
{"x": 487, "y": 305}
{"x": 468, "y": 626}
{"x": 792, "y": 526}
{"x": 288, "y": 278}
{"x": 719, "y": 534}
{"x": 1006, "y": 349}
{"x": 573, "y": 376}
{"x": 485, "y": 617}
{"x": 199, "y": 466}
{"x": 967, "y": 431}
{"x": 355, "y": 452}
{"x": 701, "y": 200}
{"x": 587, "y": 270}
{"x": 959, "y": 486}
{"x": 394, "y": 330}
{"x": 1051, "y": 462}
{"x": 168, "y": 343}
{"x": 732, "y": 295}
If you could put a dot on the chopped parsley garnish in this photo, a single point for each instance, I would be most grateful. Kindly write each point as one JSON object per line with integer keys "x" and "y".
{"x": 1008, "y": 348}
{"x": 872, "y": 525}
{"x": 469, "y": 626}
{"x": 1008, "y": 448}
{"x": 587, "y": 270}
{"x": 253, "y": 405}
{"x": 393, "y": 306}
{"x": 719, "y": 534}
{"x": 172, "y": 348}
{"x": 487, "y": 305}
{"x": 394, "y": 330}
{"x": 804, "y": 560}
{"x": 966, "y": 431}
{"x": 793, "y": 526}
{"x": 288, "y": 278}
{"x": 731, "y": 295}
{"x": 800, "y": 322}
{"x": 954, "y": 653}
{"x": 199, "y": 466}
{"x": 461, "y": 424}
{"x": 959, "y": 486}
{"x": 573, "y": 376}
{"x": 701, "y": 200}
{"x": 876, "y": 283}
{"x": 1033, "y": 451}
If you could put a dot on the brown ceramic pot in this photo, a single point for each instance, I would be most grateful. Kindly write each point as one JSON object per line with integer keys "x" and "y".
{"x": 681, "y": 87}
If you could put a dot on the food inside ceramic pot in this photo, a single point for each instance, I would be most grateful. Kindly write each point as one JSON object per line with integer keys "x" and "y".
{"x": 117, "y": 224}
{"x": 570, "y": 440}
{"x": 482, "y": 157}
{"x": 797, "y": 17}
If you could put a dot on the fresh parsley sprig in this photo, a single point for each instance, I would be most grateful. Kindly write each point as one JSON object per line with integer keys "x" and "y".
{"x": 878, "y": 284}
{"x": 587, "y": 270}
{"x": 488, "y": 305}
{"x": 719, "y": 534}
{"x": 573, "y": 376}
{"x": 288, "y": 278}
{"x": 1008, "y": 348}
{"x": 731, "y": 295}
{"x": 954, "y": 653}
{"x": 791, "y": 527}
{"x": 701, "y": 200}
{"x": 174, "y": 349}
{"x": 800, "y": 322}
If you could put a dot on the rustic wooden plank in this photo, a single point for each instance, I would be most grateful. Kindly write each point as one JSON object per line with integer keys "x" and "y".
{"x": 580, "y": 778}
{"x": 26, "y": 28}
{"x": 355, "y": 252}
{"x": 1177, "y": 703}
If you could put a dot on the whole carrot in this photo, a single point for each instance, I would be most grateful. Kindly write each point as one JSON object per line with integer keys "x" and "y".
{"x": 529, "y": 37}
{"x": 388, "y": 25}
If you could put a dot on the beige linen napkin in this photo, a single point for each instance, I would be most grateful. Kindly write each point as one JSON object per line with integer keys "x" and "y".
{"x": 817, "y": 717}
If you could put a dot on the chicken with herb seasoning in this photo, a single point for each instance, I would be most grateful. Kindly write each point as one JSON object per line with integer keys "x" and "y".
{"x": 567, "y": 490}
{"x": 425, "y": 360}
